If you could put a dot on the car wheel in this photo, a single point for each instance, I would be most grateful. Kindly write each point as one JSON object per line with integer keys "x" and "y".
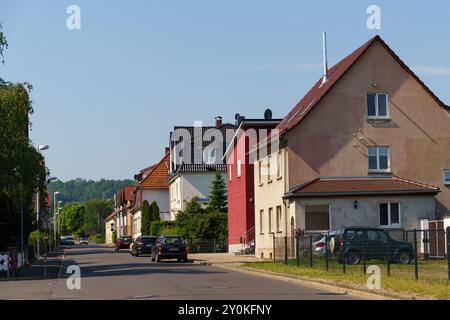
{"x": 353, "y": 258}
{"x": 404, "y": 258}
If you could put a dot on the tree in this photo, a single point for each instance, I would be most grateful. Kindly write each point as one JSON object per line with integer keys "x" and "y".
{"x": 146, "y": 218}
{"x": 155, "y": 211}
{"x": 72, "y": 218}
{"x": 3, "y": 44}
{"x": 192, "y": 219}
{"x": 216, "y": 226}
{"x": 96, "y": 211}
{"x": 218, "y": 196}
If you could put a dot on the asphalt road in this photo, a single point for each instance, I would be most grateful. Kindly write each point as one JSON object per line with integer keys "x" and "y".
{"x": 109, "y": 275}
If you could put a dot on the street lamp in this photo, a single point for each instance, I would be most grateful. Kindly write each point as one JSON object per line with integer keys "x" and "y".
{"x": 59, "y": 221}
{"x": 50, "y": 224}
{"x": 54, "y": 215}
{"x": 41, "y": 147}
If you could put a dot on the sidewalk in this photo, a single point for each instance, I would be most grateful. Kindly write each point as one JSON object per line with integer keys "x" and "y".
{"x": 222, "y": 258}
{"x": 41, "y": 269}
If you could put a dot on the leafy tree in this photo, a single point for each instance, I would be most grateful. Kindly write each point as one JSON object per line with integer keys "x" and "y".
{"x": 3, "y": 44}
{"x": 216, "y": 226}
{"x": 191, "y": 220}
{"x": 72, "y": 218}
{"x": 96, "y": 211}
{"x": 218, "y": 196}
{"x": 146, "y": 218}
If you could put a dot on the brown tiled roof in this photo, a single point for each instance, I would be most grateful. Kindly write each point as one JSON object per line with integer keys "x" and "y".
{"x": 157, "y": 176}
{"x": 360, "y": 186}
{"x": 127, "y": 193}
{"x": 318, "y": 91}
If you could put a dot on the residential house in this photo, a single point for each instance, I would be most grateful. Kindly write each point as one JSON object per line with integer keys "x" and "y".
{"x": 196, "y": 154}
{"x": 240, "y": 176}
{"x": 152, "y": 186}
{"x": 367, "y": 145}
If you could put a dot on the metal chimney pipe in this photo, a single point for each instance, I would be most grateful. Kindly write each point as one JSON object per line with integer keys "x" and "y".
{"x": 325, "y": 62}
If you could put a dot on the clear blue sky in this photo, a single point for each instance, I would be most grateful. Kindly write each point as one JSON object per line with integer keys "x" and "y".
{"x": 106, "y": 96}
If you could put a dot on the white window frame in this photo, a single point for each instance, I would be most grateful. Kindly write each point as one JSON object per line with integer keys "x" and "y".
{"x": 445, "y": 180}
{"x": 279, "y": 175}
{"x": 390, "y": 225}
{"x": 230, "y": 166}
{"x": 378, "y": 159}
{"x": 261, "y": 221}
{"x": 270, "y": 216}
{"x": 376, "y": 116}
{"x": 279, "y": 212}
{"x": 238, "y": 168}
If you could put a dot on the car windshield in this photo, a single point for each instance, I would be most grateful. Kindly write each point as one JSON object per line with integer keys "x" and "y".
{"x": 69, "y": 238}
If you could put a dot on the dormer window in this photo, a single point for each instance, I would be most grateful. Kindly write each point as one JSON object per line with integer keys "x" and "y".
{"x": 377, "y": 106}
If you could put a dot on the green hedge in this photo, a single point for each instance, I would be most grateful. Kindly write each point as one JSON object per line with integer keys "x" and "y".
{"x": 158, "y": 228}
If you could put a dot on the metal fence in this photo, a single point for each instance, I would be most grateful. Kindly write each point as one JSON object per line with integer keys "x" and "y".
{"x": 207, "y": 246}
{"x": 416, "y": 254}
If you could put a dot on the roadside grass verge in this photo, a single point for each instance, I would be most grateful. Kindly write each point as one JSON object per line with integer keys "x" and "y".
{"x": 433, "y": 281}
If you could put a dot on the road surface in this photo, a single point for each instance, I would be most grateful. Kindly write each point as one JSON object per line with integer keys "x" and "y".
{"x": 109, "y": 275}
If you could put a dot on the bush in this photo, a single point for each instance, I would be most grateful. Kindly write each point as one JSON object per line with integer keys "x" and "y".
{"x": 99, "y": 239}
{"x": 114, "y": 236}
{"x": 158, "y": 228}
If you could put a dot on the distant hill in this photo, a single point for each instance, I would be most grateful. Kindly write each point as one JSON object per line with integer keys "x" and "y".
{"x": 81, "y": 190}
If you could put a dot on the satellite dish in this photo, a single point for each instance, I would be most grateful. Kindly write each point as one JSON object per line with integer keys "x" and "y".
{"x": 237, "y": 116}
{"x": 268, "y": 114}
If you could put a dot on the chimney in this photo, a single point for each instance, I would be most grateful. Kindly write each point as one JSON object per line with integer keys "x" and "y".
{"x": 325, "y": 62}
{"x": 218, "y": 121}
{"x": 166, "y": 150}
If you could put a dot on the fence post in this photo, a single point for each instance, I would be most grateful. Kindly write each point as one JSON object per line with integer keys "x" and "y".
{"x": 344, "y": 260}
{"x": 416, "y": 266}
{"x": 448, "y": 251}
{"x": 326, "y": 251}
{"x": 297, "y": 250}
{"x": 285, "y": 250}
{"x": 388, "y": 256}
{"x": 311, "y": 251}
{"x": 273, "y": 234}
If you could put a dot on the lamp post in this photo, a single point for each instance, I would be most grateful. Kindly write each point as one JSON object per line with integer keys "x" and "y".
{"x": 41, "y": 147}
{"x": 54, "y": 215}
{"x": 59, "y": 221}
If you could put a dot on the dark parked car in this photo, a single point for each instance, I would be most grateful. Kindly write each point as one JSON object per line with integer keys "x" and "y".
{"x": 67, "y": 241}
{"x": 353, "y": 242}
{"x": 123, "y": 243}
{"x": 143, "y": 245}
{"x": 170, "y": 247}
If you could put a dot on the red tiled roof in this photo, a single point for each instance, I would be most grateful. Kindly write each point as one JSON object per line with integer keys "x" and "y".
{"x": 318, "y": 91}
{"x": 127, "y": 193}
{"x": 360, "y": 186}
{"x": 157, "y": 176}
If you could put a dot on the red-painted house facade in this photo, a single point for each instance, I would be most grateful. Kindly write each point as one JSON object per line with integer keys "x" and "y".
{"x": 240, "y": 181}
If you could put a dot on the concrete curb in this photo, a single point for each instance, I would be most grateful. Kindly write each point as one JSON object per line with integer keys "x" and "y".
{"x": 354, "y": 290}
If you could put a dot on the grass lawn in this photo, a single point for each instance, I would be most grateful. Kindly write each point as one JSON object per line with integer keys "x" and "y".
{"x": 433, "y": 281}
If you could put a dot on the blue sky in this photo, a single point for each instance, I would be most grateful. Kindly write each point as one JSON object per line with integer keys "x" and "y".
{"x": 106, "y": 96}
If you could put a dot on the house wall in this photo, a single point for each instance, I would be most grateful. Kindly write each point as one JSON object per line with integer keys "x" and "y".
{"x": 269, "y": 195}
{"x": 175, "y": 197}
{"x": 161, "y": 196}
{"x": 108, "y": 232}
{"x": 137, "y": 224}
{"x": 332, "y": 140}
{"x": 342, "y": 211}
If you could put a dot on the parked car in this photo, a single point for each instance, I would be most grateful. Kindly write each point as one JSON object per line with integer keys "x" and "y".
{"x": 122, "y": 243}
{"x": 84, "y": 241}
{"x": 170, "y": 247}
{"x": 353, "y": 242}
{"x": 67, "y": 241}
{"x": 319, "y": 243}
{"x": 142, "y": 245}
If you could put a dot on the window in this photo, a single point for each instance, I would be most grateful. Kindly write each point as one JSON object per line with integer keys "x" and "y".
{"x": 261, "y": 221}
{"x": 269, "y": 159}
{"x": 390, "y": 214}
{"x": 270, "y": 220}
{"x": 317, "y": 218}
{"x": 279, "y": 164}
{"x": 447, "y": 176}
{"x": 239, "y": 168}
{"x": 379, "y": 159}
{"x": 279, "y": 219}
{"x": 229, "y": 172}
{"x": 259, "y": 172}
{"x": 377, "y": 106}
